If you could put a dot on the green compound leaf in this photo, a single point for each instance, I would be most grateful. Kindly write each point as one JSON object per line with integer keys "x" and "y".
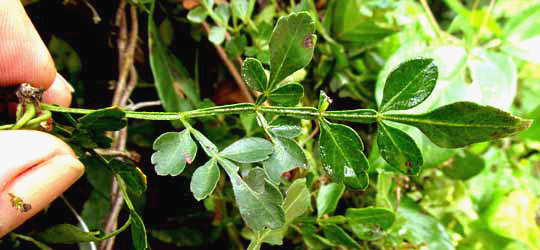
{"x": 204, "y": 179}
{"x": 258, "y": 199}
{"x": 341, "y": 148}
{"x": 173, "y": 150}
{"x": 462, "y": 123}
{"x": 288, "y": 94}
{"x": 399, "y": 149}
{"x": 254, "y": 75}
{"x": 328, "y": 198}
{"x": 409, "y": 84}
{"x": 291, "y": 45}
{"x": 287, "y": 156}
{"x": 248, "y": 150}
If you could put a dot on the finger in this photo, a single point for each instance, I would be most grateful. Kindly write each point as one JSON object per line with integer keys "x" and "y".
{"x": 59, "y": 93}
{"x": 37, "y": 167}
{"x": 23, "y": 55}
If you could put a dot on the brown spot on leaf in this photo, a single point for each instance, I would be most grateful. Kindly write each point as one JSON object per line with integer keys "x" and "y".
{"x": 408, "y": 164}
{"x": 188, "y": 158}
{"x": 308, "y": 41}
{"x": 178, "y": 89}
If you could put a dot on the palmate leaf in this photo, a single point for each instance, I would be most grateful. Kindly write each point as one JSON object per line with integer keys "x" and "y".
{"x": 341, "y": 149}
{"x": 399, "y": 149}
{"x": 291, "y": 45}
{"x": 173, "y": 150}
{"x": 258, "y": 199}
{"x": 409, "y": 85}
{"x": 463, "y": 123}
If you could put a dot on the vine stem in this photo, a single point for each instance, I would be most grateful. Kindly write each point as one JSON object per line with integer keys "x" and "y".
{"x": 306, "y": 113}
{"x": 431, "y": 18}
{"x": 124, "y": 87}
{"x": 484, "y": 22}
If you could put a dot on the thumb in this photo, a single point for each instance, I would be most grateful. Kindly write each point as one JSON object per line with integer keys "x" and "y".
{"x": 23, "y": 55}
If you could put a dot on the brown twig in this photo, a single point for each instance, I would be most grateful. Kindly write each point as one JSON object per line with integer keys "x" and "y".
{"x": 126, "y": 51}
{"x": 230, "y": 66}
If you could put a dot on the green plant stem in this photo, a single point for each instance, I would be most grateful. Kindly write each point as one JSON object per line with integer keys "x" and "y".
{"x": 432, "y": 21}
{"x": 29, "y": 113}
{"x": 307, "y": 113}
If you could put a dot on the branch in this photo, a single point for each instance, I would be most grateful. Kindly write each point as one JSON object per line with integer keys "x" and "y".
{"x": 232, "y": 69}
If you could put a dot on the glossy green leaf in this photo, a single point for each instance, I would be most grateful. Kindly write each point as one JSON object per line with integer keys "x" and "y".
{"x": 173, "y": 150}
{"x": 409, "y": 84}
{"x": 67, "y": 234}
{"x": 369, "y": 223}
{"x": 248, "y": 150}
{"x": 297, "y": 200}
{"x": 254, "y": 75}
{"x": 464, "y": 165}
{"x": 399, "y": 149}
{"x": 291, "y": 45}
{"x": 217, "y": 35}
{"x": 240, "y": 8}
{"x": 258, "y": 199}
{"x": 286, "y": 127}
{"x": 356, "y": 181}
{"x": 204, "y": 179}
{"x": 176, "y": 90}
{"x": 287, "y": 156}
{"x": 328, "y": 198}
{"x": 351, "y": 25}
{"x": 197, "y": 15}
{"x": 463, "y": 123}
{"x": 338, "y": 236}
{"x": 341, "y": 147}
{"x": 287, "y": 95}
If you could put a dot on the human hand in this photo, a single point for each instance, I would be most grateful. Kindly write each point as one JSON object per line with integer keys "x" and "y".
{"x": 35, "y": 166}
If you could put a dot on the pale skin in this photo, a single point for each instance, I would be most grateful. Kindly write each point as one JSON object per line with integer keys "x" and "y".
{"x": 34, "y": 166}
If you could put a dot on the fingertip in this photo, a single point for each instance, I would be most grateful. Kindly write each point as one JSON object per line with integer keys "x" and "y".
{"x": 59, "y": 92}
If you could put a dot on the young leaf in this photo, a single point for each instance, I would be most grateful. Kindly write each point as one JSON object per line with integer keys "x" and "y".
{"x": 240, "y": 9}
{"x": 197, "y": 15}
{"x": 288, "y": 94}
{"x": 204, "y": 179}
{"x": 338, "y": 236}
{"x": 462, "y": 123}
{"x": 248, "y": 150}
{"x": 287, "y": 156}
{"x": 259, "y": 200}
{"x": 291, "y": 45}
{"x": 341, "y": 147}
{"x": 173, "y": 150}
{"x": 409, "y": 84}
{"x": 297, "y": 200}
{"x": 328, "y": 198}
{"x": 217, "y": 35}
{"x": 254, "y": 75}
{"x": 324, "y": 102}
{"x": 399, "y": 149}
